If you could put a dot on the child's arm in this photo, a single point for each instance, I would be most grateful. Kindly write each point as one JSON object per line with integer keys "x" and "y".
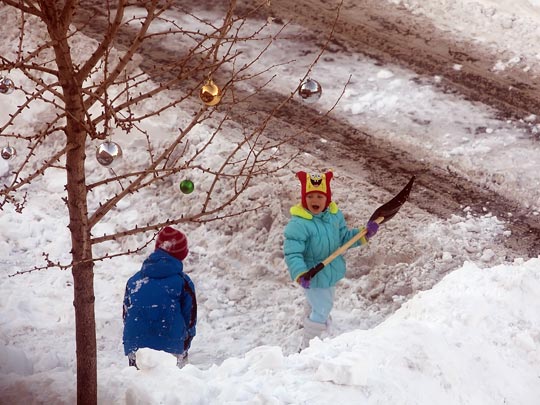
{"x": 294, "y": 247}
{"x": 126, "y": 304}
{"x": 189, "y": 310}
{"x": 347, "y": 234}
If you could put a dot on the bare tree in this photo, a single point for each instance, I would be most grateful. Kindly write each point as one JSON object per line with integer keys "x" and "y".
{"x": 94, "y": 97}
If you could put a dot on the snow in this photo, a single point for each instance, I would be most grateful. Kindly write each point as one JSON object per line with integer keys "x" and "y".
{"x": 431, "y": 312}
{"x": 485, "y": 22}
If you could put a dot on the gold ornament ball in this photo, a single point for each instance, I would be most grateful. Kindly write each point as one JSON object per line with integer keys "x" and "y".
{"x": 210, "y": 93}
{"x": 187, "y": 186}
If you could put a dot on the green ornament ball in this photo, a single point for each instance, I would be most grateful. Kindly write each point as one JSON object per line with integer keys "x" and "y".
{"x": 187, "y": 186}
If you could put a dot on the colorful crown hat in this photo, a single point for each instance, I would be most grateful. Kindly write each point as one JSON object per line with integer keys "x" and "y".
{"x": 315, "y": 183}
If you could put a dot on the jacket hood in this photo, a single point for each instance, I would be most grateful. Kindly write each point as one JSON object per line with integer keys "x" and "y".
{"x": 161, "y": 264}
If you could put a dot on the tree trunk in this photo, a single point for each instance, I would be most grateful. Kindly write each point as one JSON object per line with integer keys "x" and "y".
{"x": 85, "y": 331}
{"x": 83, "y": 270}
{"x": 77, "y": 193}
{"x": 81, "y": 250}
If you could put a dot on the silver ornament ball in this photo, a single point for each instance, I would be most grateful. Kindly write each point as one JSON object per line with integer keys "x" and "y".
{"x": 108, "y": 152}
{"x": 310, "y": 91}
{"x": 6, "y": 85}
{"x": 8, "y": 152}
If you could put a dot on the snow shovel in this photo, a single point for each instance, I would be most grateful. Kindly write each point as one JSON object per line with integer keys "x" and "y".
{"x": 381, "y": 215}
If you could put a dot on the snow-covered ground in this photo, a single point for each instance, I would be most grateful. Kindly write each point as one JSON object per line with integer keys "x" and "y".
{"x": 471, "y": 338}
{"x": 505, "y": 27}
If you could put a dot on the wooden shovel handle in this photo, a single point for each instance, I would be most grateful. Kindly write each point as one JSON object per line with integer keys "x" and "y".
{"x": 315, "y": 269}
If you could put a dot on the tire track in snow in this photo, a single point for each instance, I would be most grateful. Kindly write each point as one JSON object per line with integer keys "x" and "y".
{"x": 437, "y": 190}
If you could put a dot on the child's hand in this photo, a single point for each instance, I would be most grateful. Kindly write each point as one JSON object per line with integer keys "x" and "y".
{"x": 372, "y": 228}
{"x": 304, "y": 282}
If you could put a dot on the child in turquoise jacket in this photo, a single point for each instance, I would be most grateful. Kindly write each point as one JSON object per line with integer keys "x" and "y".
{"x": 316, "y": 229}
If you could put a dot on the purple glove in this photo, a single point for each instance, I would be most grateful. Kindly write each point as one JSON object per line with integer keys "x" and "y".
{"x": 372, "y": 228}
{"x": 304, "y": 282}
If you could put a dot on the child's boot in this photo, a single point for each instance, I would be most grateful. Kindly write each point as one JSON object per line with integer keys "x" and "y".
{"x": 181, "y": 359}
{"x": 132, "y": 359}
{"x": 311, "y": 330}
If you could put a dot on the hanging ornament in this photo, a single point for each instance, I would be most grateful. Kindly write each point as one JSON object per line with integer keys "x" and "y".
{"x": 108, "y": 152}
{"x": 187, "y": 186}
{"x": 6, "y": 85}
{"x": 310, "y": 91}
{"x": 210, "y": 93}
{"x": 8, "y": 152}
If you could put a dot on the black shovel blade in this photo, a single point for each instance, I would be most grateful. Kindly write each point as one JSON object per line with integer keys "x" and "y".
{"x": 388, "y": 210}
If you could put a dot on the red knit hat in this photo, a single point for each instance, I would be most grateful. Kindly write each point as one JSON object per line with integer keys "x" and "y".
{"x": 315, "y": 183}
{"x": 173, "y": 242}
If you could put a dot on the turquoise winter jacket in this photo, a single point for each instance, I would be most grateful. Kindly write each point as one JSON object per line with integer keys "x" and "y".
{"x": 309, "y": 239}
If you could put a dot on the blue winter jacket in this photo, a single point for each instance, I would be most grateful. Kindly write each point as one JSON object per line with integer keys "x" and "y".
{"x": 160, "y": 307}
{"x": 309, "y": 239}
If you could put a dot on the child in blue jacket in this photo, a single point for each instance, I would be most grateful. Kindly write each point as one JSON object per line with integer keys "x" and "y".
{"x": 160, "y": 307}
{"x": 316, "y": 229}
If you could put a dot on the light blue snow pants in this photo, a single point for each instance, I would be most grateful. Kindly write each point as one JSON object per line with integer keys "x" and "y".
{"x": 321, "y": 301}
